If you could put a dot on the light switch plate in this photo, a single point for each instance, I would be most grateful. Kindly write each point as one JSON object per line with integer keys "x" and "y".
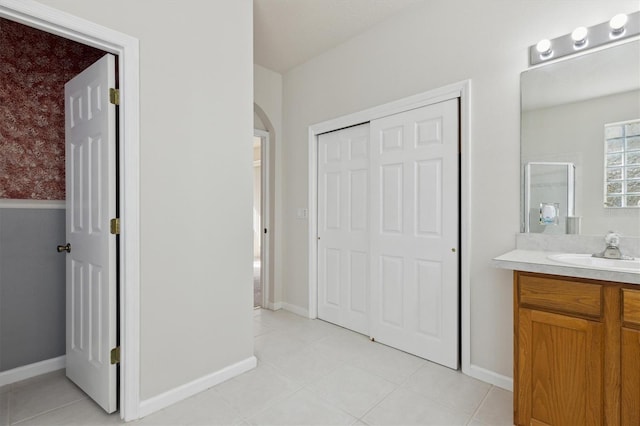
{"x": 302, "y": 213}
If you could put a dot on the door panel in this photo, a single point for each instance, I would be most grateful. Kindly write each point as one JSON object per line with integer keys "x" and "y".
{"x": 91, "y": 264}
{"x": 358, "y": 200}
{"x": 391, "y": 198}
{"x": 414, "y": 231}
{"x": 333, "y": 277}
{"x": 560, "y": 369}
{"x": 429, "y": 277}
{"x": 630, "y": 367}
{"x": 332, "y": 200}
{"x": 358, "y": 272}
{"x": 429, "y": 220}
{"x": 391, "y": 279}
{"x": 343, "y": 227}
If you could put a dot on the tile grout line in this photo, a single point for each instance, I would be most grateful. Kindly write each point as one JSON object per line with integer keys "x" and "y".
{"x": 375, "y": 404}
{"x": 361, "y": 418}
{"x": 403, "y": 381}
{"x": 270, "y": 404}
{"x": 276, "y": 400}
{"x": 307, "y": 386}
{"x": 48, "y": 411}
{"x": 339, "y": 364}
{"x": 444, "y": 404}
{"x": 480, "y": 404}
{"x": 331, "y": 404}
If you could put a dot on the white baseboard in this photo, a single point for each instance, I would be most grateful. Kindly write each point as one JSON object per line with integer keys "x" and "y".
{"x": 303, "y": 312}
{"x": 32, "y": 370}
{"x": 187, "y": 390}
{"x": 491, "y": 377}
{"x": 274, "y": 306}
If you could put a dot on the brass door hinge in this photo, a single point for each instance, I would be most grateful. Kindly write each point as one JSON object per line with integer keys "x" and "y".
{"x": 115, "y": 355}
{"x": 115, "y": 226}
{"x": 114, "y": 96}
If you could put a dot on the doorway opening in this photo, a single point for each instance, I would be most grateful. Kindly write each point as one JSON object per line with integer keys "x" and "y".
{"x": 260, "y": 218}
{"x": 257, "y": 222}
{"x": 48, "y": 86}
{"x": 126, "y": 48}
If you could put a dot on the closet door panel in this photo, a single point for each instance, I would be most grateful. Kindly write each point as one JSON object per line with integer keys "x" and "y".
{"x": 414, "y": 231}
{"x": 343, "y": 228}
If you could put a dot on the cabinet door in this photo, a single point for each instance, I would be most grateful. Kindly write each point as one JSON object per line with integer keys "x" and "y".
{"x": 559, "y": 370}
{"x": 630, "y": 368}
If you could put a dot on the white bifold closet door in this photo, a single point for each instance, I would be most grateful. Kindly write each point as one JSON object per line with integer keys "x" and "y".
{"x": 343, "y": 227}
{"x": 414, "y": 232}
{"x": 388, "y": 226}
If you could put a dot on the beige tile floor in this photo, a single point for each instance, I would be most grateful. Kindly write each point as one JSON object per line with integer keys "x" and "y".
{"x": 309, "y": 373}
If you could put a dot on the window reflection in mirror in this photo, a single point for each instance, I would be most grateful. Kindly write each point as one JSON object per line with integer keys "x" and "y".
{"x": 565, "y": 107}
{"x": 622, "y": 164}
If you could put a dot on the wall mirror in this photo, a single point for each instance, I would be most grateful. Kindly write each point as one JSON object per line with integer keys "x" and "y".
{"x": 583, "y": 111}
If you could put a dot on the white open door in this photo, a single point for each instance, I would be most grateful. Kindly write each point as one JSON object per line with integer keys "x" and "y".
{"x": 90, "y": 140}
{"x": 414, "y": 231}
{"x": 343, "y": 227}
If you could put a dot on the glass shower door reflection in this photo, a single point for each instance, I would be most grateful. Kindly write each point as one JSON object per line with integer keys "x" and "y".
{"x": 549, "y": 196}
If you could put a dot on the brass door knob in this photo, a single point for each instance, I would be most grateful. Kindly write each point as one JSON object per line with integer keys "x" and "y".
{"x": 66, "y": 248}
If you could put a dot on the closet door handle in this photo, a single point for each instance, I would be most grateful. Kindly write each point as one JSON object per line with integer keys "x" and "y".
{"x": 66, "y": 248}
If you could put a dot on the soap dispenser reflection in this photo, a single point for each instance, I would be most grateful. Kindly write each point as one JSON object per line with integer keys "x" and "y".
{"x": 549, "y": 213}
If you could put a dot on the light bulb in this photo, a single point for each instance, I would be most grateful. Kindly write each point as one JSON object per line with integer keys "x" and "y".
{"x": 544, "y": 47}
{"x": 579, "y": 36}
{"x": 617, "y": 23}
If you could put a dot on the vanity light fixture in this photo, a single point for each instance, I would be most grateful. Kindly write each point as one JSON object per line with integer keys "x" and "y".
{"x": 544, "y": 48}
{"x": 618, "y": 28}
{"x": 617, "y": 24}
{"x": 579, "y": 37}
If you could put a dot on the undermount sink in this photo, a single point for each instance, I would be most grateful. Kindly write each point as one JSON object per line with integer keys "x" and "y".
{"x": 588, "y": 261}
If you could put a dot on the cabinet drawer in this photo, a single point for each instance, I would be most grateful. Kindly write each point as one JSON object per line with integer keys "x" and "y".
{"x": 572, "y": 297}
{"x": 631, "y": 306}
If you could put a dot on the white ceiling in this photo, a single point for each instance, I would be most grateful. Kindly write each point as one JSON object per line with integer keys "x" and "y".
{"x": 287, "y": 33}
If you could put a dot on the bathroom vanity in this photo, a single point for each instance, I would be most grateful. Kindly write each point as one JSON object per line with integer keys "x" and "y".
{"x": 576, "y": 342}
{"x": 577, "y": 317}
{"x": 576, "y": 351}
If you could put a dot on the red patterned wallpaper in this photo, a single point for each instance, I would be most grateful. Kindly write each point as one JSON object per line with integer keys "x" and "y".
{"x": 34, "y": 66}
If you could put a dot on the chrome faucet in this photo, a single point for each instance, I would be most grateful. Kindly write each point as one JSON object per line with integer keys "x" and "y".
{"x": 612, "y": 251}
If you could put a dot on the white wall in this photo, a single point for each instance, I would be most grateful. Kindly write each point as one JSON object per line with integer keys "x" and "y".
{"x": 434, "y": 44}
{"x": 267, "y": 86}
{"x": 196, "y": 79}
{"x": 268, "y": 101}
{"x": 257, "y": 122}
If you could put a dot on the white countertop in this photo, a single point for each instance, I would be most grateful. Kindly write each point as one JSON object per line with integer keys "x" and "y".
{"x": 537, "y": 261}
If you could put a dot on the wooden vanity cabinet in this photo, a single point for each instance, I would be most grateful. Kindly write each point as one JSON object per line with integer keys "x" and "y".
{"x": 576, "y": 351}
{"x": 630, "y": 357}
